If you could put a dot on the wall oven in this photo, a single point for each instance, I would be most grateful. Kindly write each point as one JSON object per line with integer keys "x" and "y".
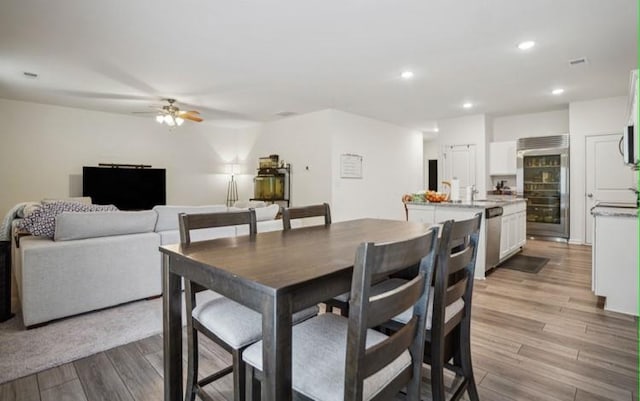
{"x": 542, "y": 177}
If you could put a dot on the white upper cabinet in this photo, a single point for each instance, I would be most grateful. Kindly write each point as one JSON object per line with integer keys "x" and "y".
{"x": 502, "y": 158}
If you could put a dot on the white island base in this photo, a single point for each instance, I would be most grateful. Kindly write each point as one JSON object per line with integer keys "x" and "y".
{"x": 513, "y": 225}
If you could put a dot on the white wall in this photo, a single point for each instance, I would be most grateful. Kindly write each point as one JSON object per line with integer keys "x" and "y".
{"x": 510, "y": 128}
{"x": 594, "y": 117}
{"x": 392, "y": 162}
{"x": 305, "y": 142}
{"x": 392, "y": 166}
{"x": 488, "y": 138}
{"x": 464, "y": 131}
{"x": 44, "y": 148}
{"x": 513, "y": 127}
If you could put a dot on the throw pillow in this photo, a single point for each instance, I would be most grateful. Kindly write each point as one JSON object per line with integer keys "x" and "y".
{"x": 42, "y": 222}
{"x": 29, "y": 208}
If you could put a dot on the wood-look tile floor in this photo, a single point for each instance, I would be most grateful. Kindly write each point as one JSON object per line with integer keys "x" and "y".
{"x": 534, "y": 337}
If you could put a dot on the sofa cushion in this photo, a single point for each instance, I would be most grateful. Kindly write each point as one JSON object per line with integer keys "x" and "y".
{"x": 267, "y": 212}
{"x": 173, "y": 236}
{"x": 248, "y": 204}
{"x": 70, "y": 226}
{"x": 168, "y": 215}
{"x": 42, "y": 221}
{"x": 82, "y": 199}
{"x": 262, "y": 213}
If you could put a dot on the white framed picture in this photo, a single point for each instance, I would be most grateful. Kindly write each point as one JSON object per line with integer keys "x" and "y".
{"x": 350, "y": 165}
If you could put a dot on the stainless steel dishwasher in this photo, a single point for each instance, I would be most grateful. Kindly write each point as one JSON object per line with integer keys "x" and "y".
{"x": 493, "y": 217}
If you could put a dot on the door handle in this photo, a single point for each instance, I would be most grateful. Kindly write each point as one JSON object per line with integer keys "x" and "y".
{"x": 589, "y": 195}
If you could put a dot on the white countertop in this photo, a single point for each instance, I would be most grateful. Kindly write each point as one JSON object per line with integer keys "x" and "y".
{"x": 478, "y": 204}
{"x": 616, "y": 211}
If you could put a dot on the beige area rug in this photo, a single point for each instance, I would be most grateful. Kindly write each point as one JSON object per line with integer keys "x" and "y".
{"x": 24, "y": 352}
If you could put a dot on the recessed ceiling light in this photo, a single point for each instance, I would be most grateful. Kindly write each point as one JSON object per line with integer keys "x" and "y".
{"x": 436, "y": 129}
{"x": 467, "y": 105}
{"x": 526, "y": 45}
{"x": 557, "y": 91}
{"x": 407, "y": 74}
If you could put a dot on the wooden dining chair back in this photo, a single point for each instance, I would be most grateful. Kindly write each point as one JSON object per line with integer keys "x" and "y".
{"x": 220, "y": 318}
{"x": 359, "y": 363}
{"x": 379, "y": 260}
{"x": 449, "y": 333}
{"x": 302, "y": 212}
{"x": 196, "y": 221}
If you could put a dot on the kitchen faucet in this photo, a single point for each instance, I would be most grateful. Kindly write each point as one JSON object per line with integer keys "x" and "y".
{"x": 474, "y": 191}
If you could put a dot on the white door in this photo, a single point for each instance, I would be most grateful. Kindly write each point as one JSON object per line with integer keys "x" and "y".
{"x": 460, "y": 163}
{"x": 607, "y": 178}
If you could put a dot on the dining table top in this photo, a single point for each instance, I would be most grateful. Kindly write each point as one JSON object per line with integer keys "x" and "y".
{"x": 282, "y": 260}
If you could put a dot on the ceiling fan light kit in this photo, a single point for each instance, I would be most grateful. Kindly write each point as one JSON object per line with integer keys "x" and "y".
{"x": 172, "y": 116}
{"x": 169, "y": 119}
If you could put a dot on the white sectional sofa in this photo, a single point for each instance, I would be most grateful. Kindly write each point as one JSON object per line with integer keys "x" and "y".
{"x": 101, "y": 259}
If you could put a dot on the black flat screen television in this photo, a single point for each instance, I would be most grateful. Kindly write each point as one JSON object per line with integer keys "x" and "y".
{"x": 126, "y": 188}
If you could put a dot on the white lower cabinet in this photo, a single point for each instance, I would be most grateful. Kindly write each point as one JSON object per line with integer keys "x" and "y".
{"x": 514, "y": 227}
{"x": 505, "y": 236}
{"x": 521, "y": 227}
{"x": 422, "y": 214}
{"x": 430, "y": 214}
{"x": 615, "y": 262}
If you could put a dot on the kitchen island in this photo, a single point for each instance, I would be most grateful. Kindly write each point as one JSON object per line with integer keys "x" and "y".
{"x": 511, "y": 231}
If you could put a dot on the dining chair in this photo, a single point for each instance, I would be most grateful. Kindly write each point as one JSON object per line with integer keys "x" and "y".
{"x": 301, "y": 212}
{"x": 448, "y": 323}
{"x": 224, "y": 321}
{"x": 338, "y": 358}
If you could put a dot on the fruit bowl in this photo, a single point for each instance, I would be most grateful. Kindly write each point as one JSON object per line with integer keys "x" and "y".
{"x": 435, "y": 197}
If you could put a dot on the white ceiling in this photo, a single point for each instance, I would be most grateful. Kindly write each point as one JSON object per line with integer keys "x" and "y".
{"x": 253, "y": 59}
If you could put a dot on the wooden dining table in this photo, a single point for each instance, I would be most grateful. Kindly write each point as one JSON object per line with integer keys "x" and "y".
{"x": 276, "y": 274}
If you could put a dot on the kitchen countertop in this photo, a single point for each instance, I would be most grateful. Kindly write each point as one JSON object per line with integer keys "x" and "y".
{"x": 615, "y": 210}
{"x": 479, "y": 204}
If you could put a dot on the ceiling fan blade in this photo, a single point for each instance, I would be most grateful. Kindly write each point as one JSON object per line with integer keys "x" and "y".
{"x": 103, "y": 96}
{"x": 216, "y": 113}
{"x": 193, "y": 112}
{"x": 188, "y": 116}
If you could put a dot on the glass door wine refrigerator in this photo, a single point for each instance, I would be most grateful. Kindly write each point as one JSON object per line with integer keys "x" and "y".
{"x": 543, "y": 179}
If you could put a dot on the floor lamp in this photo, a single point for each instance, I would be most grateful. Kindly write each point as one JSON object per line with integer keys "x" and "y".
{"x": 232, "y": 189}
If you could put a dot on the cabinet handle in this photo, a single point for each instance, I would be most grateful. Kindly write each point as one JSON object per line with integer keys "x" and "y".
{"x": 589, "y": 195}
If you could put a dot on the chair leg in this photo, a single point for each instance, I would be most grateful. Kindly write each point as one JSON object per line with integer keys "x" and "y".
{"x": 239, "y": 377}
{"x": 192, "y": 344}
{"x": 436, "y": 361}
{"x": 344, "y": 311}
{"x": 192, "y": 365}
{"x": 252, "y": 384}
{"x": 465, "y": 361}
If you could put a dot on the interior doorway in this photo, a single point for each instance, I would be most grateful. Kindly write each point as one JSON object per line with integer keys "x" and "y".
{"x": 432, "y": 180}
{"x": 607, "y": 177}
{"x": 460, "y": 162}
